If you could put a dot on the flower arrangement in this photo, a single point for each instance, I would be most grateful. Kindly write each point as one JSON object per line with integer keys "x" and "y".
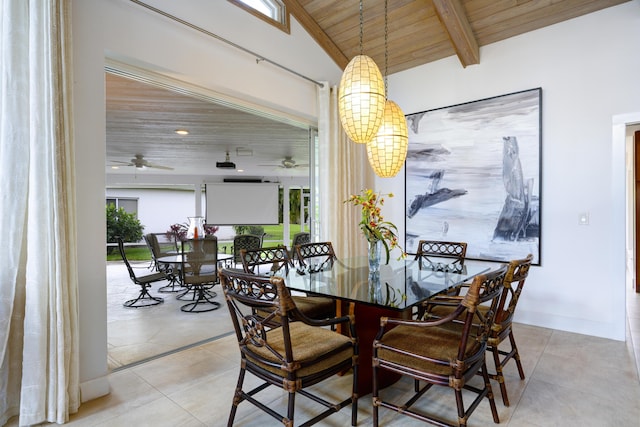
{"x": 372, "y": 223}
{"x": 180, "y": 231}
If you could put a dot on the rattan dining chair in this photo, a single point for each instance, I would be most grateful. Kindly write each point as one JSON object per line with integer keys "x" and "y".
{"x": 438, "y": 255}
{"x": 144, "y": 298}
{"x": 276, "y": 261}
{"x": 502, "y": 329}
{"x": 441, "y": 255}
{"x": 293, "y": 356}
{"x": 266, "y": 261}
{"x": 448, "y": 351}
{"x": 517, "y": 273}
{"x": 315, "y": 256}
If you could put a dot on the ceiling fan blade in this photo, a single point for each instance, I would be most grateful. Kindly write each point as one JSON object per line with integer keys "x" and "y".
{"x": 122, "y": 163}
{"x": 152, "y": 165}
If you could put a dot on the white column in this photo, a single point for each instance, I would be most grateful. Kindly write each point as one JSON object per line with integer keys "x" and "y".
{"x": 285, "y": 214}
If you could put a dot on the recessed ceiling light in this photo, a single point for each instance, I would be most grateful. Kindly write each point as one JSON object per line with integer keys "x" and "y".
{"x": 115, "y": 167}
{"x": 240, "y": 170}
{"x": 182, "y": 132}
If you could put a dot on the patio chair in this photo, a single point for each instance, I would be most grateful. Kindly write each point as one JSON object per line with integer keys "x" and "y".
{"x": 199, "y": 273}
{"x": 298, "y": 239}
{"x": 245, "y": 241}
{"x": 160, "y": 244}
{"x": 144, "y": 298}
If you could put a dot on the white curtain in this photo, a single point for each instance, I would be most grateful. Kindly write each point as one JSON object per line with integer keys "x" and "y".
{"x": 38, "y": 281}
{"x": 343, "y": 170}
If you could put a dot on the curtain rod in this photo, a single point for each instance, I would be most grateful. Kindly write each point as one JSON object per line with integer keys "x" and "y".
{"x": 217, "y": 37}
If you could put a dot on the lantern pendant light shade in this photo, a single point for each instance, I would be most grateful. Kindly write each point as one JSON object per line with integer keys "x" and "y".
{"x": 361, "y": 99}
{"x": 388, "y": 149}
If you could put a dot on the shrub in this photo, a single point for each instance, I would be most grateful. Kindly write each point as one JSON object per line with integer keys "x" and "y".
{"x": 258, "y": 230}
{"x": 123, "y": 224}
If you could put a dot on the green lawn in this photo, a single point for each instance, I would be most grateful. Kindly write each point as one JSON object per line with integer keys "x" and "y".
{"x": 133, "y": 254}
{"x": 273, "y": 237}
{"x": 274, "y": 232}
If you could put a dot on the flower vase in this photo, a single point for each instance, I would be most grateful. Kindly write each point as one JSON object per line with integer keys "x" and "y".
{"x": 375, "y": 249}
{"x": 196, "y": 227}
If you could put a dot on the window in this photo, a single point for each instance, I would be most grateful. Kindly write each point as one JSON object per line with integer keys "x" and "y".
{"x": 271, "y": 11}
{"x": 130, "y": 205}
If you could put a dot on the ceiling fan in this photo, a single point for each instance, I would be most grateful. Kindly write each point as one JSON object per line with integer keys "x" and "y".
{"x": 141, "y": 163}
{"x": 289, "y": 163}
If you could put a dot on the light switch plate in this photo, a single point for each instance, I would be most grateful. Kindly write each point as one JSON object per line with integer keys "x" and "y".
{"x": 583, "y": 218}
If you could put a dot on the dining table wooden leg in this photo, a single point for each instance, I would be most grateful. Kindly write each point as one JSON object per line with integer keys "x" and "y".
{"x": 367, "y": 326}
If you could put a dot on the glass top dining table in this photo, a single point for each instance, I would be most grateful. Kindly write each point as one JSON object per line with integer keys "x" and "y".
{"x": 401, "y": 284}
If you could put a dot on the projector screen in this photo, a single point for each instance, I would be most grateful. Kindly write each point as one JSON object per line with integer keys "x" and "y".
{"x": 242, "y": 203}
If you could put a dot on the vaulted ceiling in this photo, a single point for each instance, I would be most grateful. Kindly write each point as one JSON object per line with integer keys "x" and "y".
{"x": 423, "y": 31}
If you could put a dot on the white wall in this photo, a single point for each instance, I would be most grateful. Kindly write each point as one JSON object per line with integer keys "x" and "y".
{"x": 588, "y": 71}
{"x": 159, "y": 208}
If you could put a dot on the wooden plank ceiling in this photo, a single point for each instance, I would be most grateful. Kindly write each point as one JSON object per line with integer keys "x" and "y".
{"x": 423, "y": 31}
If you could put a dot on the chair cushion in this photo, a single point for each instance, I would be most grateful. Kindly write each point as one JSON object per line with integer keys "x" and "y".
{"x": 434, "y": 342}
{"x": 309, "y": 343}
{"x": 497, "y": 334}
{"x": 316, "y": 307}
{"x": 312, "y": 307}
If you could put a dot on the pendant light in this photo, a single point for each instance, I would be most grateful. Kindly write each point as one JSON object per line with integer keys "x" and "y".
{"x": 387, "y": 151}
{"x": 361, "y": 96}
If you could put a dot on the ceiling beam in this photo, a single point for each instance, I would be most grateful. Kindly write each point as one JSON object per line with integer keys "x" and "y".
{"x": 454, "y": 20}
{"x": 318, "y": 34}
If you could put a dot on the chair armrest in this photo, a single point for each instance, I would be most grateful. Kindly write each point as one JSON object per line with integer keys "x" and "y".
{"x": 350, "y": 319}
{"x": 385, "y": 322}
{"x": 442, "y": 300}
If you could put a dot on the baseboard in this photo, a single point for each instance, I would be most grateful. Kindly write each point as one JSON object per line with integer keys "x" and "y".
{"x": 94, "y": 388}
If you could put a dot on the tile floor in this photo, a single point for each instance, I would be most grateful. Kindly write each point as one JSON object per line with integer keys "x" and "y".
{"x": 571, "y": 380}
{"x": 139, "y": 334}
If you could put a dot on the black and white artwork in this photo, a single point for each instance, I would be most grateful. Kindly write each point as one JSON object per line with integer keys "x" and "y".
{"x": 473, "y": 175}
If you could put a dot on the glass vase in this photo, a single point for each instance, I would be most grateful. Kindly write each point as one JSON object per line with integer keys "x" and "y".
{"x": 375, "y": 289}
{"x": 375, "y": 250}
{"x": 196, "y": 227}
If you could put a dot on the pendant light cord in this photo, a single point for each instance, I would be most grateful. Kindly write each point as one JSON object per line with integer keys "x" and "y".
{"x": 386, "y": 53}
{"x": 361, "y": 27}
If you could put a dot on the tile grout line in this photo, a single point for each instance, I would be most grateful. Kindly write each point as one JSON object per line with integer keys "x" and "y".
{"x": 170, "y": 352}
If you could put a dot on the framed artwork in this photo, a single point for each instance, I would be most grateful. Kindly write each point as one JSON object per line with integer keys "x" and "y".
{"x": 473, "y": 175}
